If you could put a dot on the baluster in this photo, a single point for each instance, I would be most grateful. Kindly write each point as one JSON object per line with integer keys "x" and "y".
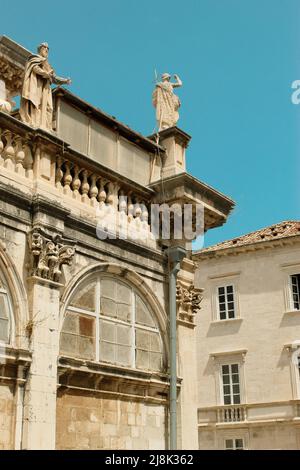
{"x": 93, "y": 191}
{"x": 20, "y": 157}
{"x": 85, "y": 187}
{"x": 102, "y": 193}
{"x": 67, "y": 179}
{"x": 9, "y": 151}
{"x": 76, "y": 183}
{"x": 122, "y": 214}
{"x": 1, "y": 149}
{"x": 28, "y": 162}
{"x": 110, "y": 194}
{"x": 130, "y": 208}
{"x": 59, "y": 173}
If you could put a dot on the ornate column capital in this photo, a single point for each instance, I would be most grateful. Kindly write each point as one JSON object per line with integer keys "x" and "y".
{"x": 48, "y": 254}
{"x": 188, "y": 300}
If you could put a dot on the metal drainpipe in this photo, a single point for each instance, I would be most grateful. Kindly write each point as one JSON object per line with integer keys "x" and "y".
{"x": 175, "y": 255}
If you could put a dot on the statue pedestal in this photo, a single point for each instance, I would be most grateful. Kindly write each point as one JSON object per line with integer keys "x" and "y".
{"x": 175, "y": 141}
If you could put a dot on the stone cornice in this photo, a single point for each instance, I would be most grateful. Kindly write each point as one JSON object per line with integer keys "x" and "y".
{"x": 247, "y": 248}
{"x": 108, "y": 379}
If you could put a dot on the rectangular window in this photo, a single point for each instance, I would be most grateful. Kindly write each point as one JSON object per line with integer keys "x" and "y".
{"x": 231, "y": 384}
{"x": 295, "y": 282}
{"x": 234, "y": 444}
{"x": 226, "y": 302}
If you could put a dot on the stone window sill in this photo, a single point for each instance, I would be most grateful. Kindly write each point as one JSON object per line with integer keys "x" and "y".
{"x": 227, "y": 321}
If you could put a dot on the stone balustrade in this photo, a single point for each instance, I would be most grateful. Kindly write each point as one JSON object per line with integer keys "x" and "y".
{"x": 231, "y": 413}
{"x": 116, "y": 203}
{"x": 16, "y": 153}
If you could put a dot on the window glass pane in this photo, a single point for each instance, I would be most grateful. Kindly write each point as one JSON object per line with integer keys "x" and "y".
{"x": 4, "y": 327}
{"x": 222, "y": 298}
{"x": 235, "y": 378}
{"x": 230, "y": 305}
{"x": 226, "y": 379}
{"x": 143, "y": 315}
{"x": 230, "y": 297}
{"x": 108, "y": 307}
{"x": 115, "y": 299}
{"x": 123, "y": 335}
{"x": 225, "y": 369}
{"x": 85, "y": 298}
{"x": 107, "y": 352}
{"x": 229, "y": 289}
{"x": 155, "y": 361}
{"x": 236, "y": 399}
{"x": 3, "y": 306}
{"x": 236, "y": 389}
{"x": 221, "y": 290}
{"x": 227, "y": 400}
{"x": 78, "y": 336}
{"x": 223, "y": 316}
{"x": 107, "y": 331}
{"x": 239, "y": 444}
{"x": 235, "y": 368}
{"x": 142, "y": 359}
{"x": 226, "y": 389}
{"x": 229, "y": 444}
{"x": 231, "y": 314}
{"x": 123, "y": 355}
{"x": 142, "y": 339}
{"x": 222, "y": 307}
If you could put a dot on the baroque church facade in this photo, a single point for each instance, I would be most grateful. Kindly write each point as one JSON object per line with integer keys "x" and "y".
{"x": 86, "y": 290}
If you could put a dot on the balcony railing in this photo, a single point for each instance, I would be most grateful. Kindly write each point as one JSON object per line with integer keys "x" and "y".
{"x": 231, "y": 413}
{"x": 39, "y": 161}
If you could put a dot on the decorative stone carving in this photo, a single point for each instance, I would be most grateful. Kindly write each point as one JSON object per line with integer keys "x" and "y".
{"x": 12, "y": 75}
{"x": 166, "y": 102}
{"x": 49, "y": 254}
{"x": 188, "y": 300}
{"x": 36, "y": 99}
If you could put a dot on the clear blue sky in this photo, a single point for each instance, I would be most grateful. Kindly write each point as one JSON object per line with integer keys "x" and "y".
{"x": 237, "y": 59}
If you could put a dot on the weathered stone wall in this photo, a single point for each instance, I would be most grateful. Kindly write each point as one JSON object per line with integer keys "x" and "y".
{"x": 87, "y": 421}
{"x": 265, "y": 437}
{"x": 7, "y": 417}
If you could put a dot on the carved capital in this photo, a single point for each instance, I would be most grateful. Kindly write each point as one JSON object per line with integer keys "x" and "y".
{"x": 49, "y": 253}
{"x": 188, "y": 300}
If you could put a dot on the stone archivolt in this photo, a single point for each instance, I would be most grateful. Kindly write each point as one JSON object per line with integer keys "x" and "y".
{"x": 49, "y": 254}
{"x": 188, "y": 300}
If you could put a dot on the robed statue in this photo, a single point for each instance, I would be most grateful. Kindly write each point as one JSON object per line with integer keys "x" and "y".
{"x": 36, "y": 108}
{"x": 166, "y": 102}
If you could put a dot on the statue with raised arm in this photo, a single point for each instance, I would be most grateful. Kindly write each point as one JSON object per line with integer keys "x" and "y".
{"x": 36, "y": 107}
{"x": 166, "y": 102}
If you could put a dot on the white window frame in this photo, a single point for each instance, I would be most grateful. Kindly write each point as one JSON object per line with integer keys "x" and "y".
{"x": 231, "y": 383}
{"x": 293, "y": 350}
{"x": 226, "y": 358}
{"x": 225, "y": 287}
{"x": 289, "y": 270}
{"x": 234, "y": 439}
{"x": 98, "y": 317}
{"x": 292, "y": 302}
{"x": 224, "y": 280}
{"x": 11, "y": 325}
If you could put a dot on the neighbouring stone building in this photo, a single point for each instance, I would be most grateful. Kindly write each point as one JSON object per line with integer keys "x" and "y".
{"x": 84, "y": 319}
{"x": 248, "y": 341}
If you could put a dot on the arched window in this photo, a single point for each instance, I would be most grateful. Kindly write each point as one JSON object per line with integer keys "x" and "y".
{"x": 108, "y": 321}
{"x": 5, "y": 313}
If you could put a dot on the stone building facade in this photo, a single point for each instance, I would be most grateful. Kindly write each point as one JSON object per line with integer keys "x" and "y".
{"x": 84, "y": 284}
{"x": 248, "y": 341}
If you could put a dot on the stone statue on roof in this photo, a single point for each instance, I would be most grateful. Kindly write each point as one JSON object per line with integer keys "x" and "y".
{"x": 36, "y": 107}
{"x": 166, "y": 102}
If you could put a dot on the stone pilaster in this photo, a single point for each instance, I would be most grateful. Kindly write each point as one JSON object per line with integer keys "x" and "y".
{"x": 47, "y": 254}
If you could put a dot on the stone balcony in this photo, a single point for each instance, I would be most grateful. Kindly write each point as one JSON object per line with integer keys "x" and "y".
{"x": 249, "y": 414}
{"x": 35, "y": 162}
